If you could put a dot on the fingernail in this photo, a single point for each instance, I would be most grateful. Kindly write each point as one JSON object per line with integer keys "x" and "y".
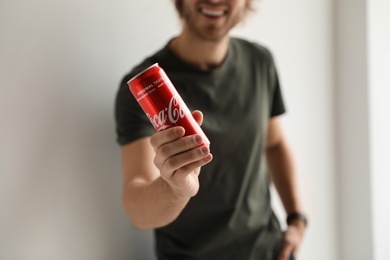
{"x": 198, "y": 139}
{"x": 204, "y": 150}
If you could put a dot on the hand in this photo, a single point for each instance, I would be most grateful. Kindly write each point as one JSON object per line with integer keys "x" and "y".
{"x": 292, "y": 241}
{"x": 180, "y": 157}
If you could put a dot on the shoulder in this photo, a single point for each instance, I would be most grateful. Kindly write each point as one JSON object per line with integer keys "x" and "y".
{"x": 252, "y": 49}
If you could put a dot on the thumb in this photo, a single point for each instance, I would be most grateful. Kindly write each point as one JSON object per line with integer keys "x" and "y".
{"x": 198, "y": 116}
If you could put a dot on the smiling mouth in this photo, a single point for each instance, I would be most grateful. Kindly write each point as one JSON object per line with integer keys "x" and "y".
{"x": 213, "y": 12}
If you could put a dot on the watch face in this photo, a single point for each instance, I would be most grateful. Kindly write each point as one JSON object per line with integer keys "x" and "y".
{"x": 296, "y": 216}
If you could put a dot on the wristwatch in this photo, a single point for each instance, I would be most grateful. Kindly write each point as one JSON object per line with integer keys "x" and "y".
{"x": 296, "y": 216}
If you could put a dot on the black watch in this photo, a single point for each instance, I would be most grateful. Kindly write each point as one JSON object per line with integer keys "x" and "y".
{"x": 296, "y": 216}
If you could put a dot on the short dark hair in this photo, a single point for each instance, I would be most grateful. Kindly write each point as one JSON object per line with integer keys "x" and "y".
{"x": 179, "y": 6}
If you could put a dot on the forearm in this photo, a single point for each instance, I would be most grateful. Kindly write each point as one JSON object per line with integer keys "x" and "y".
{"x": 283, "y": 175}
{"x": 151, "y": 205}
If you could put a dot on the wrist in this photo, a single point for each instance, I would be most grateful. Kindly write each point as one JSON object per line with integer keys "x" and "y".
{"x": 297, "y": 219}
{"x": 176, "y": 196}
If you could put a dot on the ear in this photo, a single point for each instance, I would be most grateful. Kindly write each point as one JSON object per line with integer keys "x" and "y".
{"x": 198, "y": 116}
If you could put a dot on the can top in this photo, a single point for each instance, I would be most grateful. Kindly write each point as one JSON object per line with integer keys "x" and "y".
{"x": 142, "y": 72}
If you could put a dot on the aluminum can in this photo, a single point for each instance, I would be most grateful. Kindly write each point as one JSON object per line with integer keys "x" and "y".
{"x": 161, "y": 102}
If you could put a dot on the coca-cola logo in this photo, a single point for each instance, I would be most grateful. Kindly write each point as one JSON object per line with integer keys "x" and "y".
{"x": 172, "y": 113}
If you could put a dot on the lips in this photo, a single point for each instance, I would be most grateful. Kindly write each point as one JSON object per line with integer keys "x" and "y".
{"x": 213, "y": 11}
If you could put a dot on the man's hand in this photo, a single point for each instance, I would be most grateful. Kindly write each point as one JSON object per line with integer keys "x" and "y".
{"x": 180, "y": 157}
{"x": 292, "y": 241}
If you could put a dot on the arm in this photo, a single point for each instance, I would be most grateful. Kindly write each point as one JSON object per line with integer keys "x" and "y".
{"x": 283, "y": 175}
{"x": 160, "y": 175}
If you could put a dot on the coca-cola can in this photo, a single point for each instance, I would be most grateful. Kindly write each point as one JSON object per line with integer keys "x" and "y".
{"x": 162, "y": 103}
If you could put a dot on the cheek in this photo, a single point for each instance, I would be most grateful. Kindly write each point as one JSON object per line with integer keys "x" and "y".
{"x": 238, "y": 14}
{"x": 240, "y": 7}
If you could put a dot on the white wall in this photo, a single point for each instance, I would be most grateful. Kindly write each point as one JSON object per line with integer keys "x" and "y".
{"x": 353, "y": 131}
{"x": 379, "y": 108}
{"x": 60, "y": 66}
{"x": 363, "y": 40}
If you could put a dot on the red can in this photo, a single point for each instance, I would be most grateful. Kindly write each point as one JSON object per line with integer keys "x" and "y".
{"x": 161, "y": 103}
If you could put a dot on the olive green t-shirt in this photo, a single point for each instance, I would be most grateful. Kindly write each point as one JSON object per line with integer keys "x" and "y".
{"x": 231, "y": 216}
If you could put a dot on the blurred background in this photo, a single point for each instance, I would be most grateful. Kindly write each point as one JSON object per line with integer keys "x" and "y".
{"x": 60, "y": 66}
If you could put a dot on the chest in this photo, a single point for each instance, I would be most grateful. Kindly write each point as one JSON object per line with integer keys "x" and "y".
{"x": 236, "y": 108}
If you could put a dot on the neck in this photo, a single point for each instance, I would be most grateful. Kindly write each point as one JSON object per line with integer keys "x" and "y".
{"x": 200, "y": 53}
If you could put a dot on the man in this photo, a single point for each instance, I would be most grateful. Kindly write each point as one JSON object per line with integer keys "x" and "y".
{"x": 212, "y": 205}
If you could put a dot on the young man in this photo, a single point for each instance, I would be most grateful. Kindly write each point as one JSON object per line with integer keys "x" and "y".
{"x": 202, "y": 205}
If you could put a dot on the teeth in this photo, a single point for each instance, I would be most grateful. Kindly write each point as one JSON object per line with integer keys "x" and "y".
{"x": 212, "y": 12}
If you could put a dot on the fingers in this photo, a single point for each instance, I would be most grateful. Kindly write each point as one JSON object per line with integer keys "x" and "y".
{"x": 179, "y": 158}
{"x": 291, "y": 243}
{"x": 166, "y": 136}
{"x": 185, "y": 163}
{"x": 180, "y": 166}
{"x": 286, "y": 251}
{"x": 198, "y": 116}
{"x": 178, "y": 153}
{"x": 165, "y": 154}
{"x": 185, "y": 170}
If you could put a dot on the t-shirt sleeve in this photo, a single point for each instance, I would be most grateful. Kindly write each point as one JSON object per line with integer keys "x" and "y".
{"x": 276, "y": 98}
{"x": 131, "y": 121}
